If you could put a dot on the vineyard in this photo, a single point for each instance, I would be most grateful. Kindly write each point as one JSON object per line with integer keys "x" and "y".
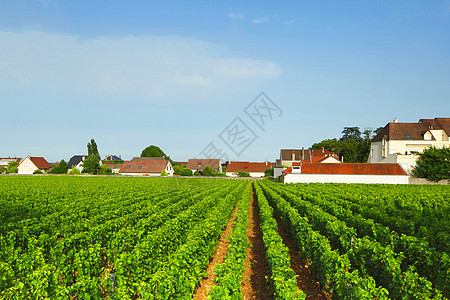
{"x": 78, "y": 237}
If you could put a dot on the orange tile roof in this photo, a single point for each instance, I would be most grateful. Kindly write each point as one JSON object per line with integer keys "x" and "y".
{"x": 199, "y": 164}
{"x": 144, "y": 166}
{"x": 236, "y": 166}
{"x": 40, "y": 163}
{"x": 350, "y": 168}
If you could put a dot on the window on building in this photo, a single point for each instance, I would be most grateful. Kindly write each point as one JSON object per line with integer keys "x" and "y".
{"x": 408, "y": 136}
{"x": 139, "y": 167}
{"x": 128, "y": 166}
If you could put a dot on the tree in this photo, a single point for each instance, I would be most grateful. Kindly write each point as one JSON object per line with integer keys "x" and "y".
{"x": 268, "y": 172}
{"x": 433, "y": 163}
{"x": 91, "y": 165}
{"x": 12, "y": 167}
{"x": 153, "y": 151}
{"x": 351, "y": 133}
{"x": 60, "y": 169}
{"x": 207, "y": 171}
{"x": 163, "y": 173}
{"x": 104, "y": 170}
{"x": 37, "y": 171}
{"x": 74, "y": 171}
{"x": 2, "y": 169}
{"x": 186, "y": 172}
{"x": 92, "y": 148}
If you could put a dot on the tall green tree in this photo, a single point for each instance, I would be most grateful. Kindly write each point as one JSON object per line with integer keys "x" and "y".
{"x": 353, "y": 146}
{"x": 433, "y": 164}
{"x": 91, "y": 165}
{"x": 60, "y": 169}
{"x": 207, "y": 171}
{"x": 92, "y": 148}
{"x": 153, "y": 151}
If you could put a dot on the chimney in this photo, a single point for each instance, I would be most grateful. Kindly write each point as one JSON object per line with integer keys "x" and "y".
{"x": 106, "y": 157}
{"x": 323, "y": 149}
{"x": 342, "y": 158}
{"x": 293, "y": 155}
{"x": 395, "y": 120}
{"x": 303, "y": 153}
{"x": 120, "y": 156}
{"x": 266, "y": 162}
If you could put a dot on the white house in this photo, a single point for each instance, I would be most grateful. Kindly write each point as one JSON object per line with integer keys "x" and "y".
{"x": 31, "y": 164}
{"x": 345, "y": 173}
{"x": 146, "y": 166}
{"x": 199, "y": 164}
{"x": 401, "y": 142}
{"x": 255, "y": 169}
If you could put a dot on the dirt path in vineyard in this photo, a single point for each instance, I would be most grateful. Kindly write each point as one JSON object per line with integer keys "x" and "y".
{"x": 254, "y": 284}
{"x": 221, "y": 252}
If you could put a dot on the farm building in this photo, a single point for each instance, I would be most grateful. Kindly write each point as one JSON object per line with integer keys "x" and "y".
{"x": 255, "y": 169}
{"x": 146, "y": 166}
{"x": 400, "y": 143}
{"x": 199, "y": 164}
{"x": 345, "y": 173}
{"x": 31, "y": 164}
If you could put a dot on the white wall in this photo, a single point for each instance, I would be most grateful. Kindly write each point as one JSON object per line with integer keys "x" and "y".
{"x": 343, "y": 178}
{"x": 26, "y": 167}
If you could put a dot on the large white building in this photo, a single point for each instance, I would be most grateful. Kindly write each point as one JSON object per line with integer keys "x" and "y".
{"x": 402, "y": 142}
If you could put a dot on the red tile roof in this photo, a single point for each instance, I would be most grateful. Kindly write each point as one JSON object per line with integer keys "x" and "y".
{"x": 236, "y": 166}
{"x": 40, "y": 163}
{"x": 199, "y": 164}
{"x": 412, "y": 131}
{"x": 350, "y": 168}
{"x": 144, "y": 166}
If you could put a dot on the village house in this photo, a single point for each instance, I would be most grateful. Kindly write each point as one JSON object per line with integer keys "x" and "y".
{"x": 30, "y": 164}
{"x": 199, "y": 164}
{"x": 255, "y": 169}
{"x": 345, "y": 173}
{"x": 288, "y": 157}
{"x": 401, "y": 143}
{"x": 6, "y": 160}
{"x": 146, "y": 166}
{"x": 76, "y": 161}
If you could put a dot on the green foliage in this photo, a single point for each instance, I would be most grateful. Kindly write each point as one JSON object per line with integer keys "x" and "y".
{"x": 207, "y": 171}
{"x": 91, "y": 165}
{"x": 153, "y": 151}
{"x": 242, "y": 174}
{"x": 60, "y": 169}
{"x": 282, "y": 276}
{"x": 2, "y": 169}
{"x": 197, "y": 173}
{"x": 268, "y": 172}
{"x": 163, "y": 173}
{"x": 178, "y": 169}
{"x": 74, "y": 171}
{"x": 12, "y": 167}
{"x": 104, "y": 170}
{"x": 92, "y": 149}
{"x": 351, "y": 146}
{"x": 228, "y": 279}
{"x": 186, "y": 172}
{"x": 433, "y": 164}
{"x": 37, "y": 171}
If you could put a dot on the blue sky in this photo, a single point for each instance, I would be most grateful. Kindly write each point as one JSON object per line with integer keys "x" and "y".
{"x": 177, "y": 73}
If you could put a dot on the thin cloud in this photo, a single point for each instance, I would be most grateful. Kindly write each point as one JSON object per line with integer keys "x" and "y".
{"x": 152, "y": 68}
{"x": 261, "y": 20}
{"x": 237, "y": 16}
{"x": 49, "y": 3}
{"x": 290, "y": 22}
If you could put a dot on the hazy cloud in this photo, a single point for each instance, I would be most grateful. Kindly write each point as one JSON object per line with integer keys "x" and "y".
{"x": 154, "y": 68}
{"x": 237, "y": 16}
{"x": 290, "y": 22}
{"x": 261, "y": 20}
